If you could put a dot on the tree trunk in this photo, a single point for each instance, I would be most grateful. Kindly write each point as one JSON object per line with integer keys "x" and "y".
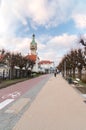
{"x": 73, "y": 72}
{"x": 11, "y": 76}
{"x": 79, "y": 73}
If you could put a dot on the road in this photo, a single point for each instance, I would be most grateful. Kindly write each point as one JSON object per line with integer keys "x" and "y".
{"x": 15, "y": 100}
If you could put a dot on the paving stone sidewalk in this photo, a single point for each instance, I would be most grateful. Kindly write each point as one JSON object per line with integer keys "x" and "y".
{"x": 58, "y": 106}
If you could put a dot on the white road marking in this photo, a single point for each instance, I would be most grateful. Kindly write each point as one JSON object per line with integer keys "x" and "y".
{"x": 11, "y": 95}
{"x": 18, "y": 105}
{"x": 5, "y": 103}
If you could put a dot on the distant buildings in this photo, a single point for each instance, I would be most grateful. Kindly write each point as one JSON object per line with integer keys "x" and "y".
{"x": 33, "y": 55}
{"x": 44, "y": 66}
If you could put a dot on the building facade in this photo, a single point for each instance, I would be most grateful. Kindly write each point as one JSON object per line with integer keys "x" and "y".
{"x": 33, "y": 55}
{"x": 46, "y": 66}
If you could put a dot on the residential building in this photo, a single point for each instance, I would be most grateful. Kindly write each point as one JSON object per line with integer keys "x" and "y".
{"x": 46, "y": 66}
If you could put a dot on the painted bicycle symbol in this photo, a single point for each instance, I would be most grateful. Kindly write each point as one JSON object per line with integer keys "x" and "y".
{"x": 12, "y": 95}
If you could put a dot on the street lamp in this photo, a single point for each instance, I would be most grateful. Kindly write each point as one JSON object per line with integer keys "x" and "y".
{"x": 65, "y": 68}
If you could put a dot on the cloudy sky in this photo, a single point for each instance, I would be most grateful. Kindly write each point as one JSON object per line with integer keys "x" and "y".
{"x": 57, "y": 24}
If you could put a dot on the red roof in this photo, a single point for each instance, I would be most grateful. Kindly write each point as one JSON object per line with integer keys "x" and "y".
{"x": 31, "y": 57}
{"x": 45, "y": 62}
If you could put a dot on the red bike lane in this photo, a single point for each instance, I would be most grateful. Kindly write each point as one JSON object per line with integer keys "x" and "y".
{"x": 13, "y": 92}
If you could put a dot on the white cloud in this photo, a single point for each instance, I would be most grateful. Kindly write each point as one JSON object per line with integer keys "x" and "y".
{"x": 20, "y": 17}
{"x": 79, "y": 14}
{"x": 49, "y": 13}
{"x": 46, "y": 13}
{"x": 80, "y": 20}
{"x": 38, "y": 12}
{"x": 62, "y": 41}
{"x": 7, "y": 19}
{"x": 54, "y": 48}
{"x": 16, "y": 45}
{"x": 57, "y": 46}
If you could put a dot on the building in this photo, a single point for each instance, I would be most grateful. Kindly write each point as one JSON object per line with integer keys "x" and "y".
{"x": 46, "y": 66}
{"x": 33, "y": 55}
{"x": 4, "y": 71}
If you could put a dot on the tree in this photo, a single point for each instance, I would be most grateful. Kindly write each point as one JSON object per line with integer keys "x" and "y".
{"x": 2, "y": 56}
{"x": 84, "y": 55}
{"x": 82, "y": 42}
{"x": 11, "y": 60}
{"x": 80, "y": 63}
{"x": 20, "y": 63}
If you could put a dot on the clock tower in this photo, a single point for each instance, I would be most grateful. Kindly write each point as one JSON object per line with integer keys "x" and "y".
{"x": 33, "y": 46}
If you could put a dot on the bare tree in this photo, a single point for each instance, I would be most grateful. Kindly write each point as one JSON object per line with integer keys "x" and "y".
{"x": 82, "y": 42}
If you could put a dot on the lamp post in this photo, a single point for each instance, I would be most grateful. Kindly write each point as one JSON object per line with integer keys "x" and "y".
{"x": 65, "y": 69}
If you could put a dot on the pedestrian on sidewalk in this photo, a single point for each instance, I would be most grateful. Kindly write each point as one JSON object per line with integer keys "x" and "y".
{"x": 55, "y": 72}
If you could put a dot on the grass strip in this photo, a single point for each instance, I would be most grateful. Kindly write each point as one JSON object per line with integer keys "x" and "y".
{"x": 7, "y": 83}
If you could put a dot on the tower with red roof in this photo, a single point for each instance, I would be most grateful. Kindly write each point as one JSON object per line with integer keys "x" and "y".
{"x": 33, "y": 55}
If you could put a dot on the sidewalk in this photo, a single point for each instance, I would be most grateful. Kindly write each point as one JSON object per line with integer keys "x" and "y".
{"x": 57, "y": 107}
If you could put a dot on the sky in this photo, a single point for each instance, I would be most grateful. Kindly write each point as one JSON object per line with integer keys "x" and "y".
{"x": 57, "y": 25}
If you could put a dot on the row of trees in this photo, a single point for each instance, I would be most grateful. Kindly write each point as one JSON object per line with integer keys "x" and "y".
{"x": 18, "y": 60}
{"x": 74, "y": 61}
